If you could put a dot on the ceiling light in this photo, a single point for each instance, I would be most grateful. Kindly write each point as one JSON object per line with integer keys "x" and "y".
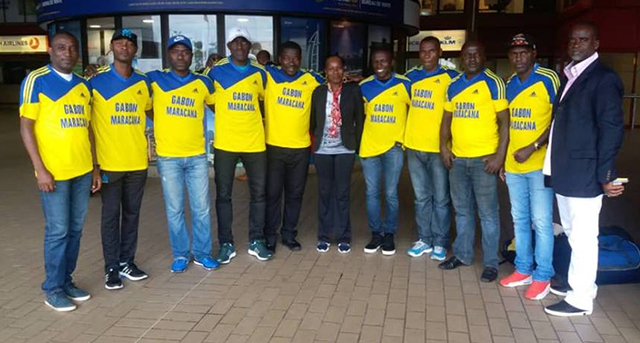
{"x": 147, "y": 21}
{"x": 94, "y": 26}
{"x": 243, "y": 20}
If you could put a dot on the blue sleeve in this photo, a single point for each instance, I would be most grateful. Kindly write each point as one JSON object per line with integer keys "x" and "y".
{"x": 211, "y": 74}
{"x": 207, "y": 81}
{"x": 318, "y": 77}
{"x": 497, "y": 87}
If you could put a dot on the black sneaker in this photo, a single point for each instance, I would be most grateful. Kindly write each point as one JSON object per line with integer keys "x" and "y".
{"x": 132, "y": 272}
{"x": 388, "y": 245}
{"x": 112, "y": 279}
{"x": 489, "y": 274}
{"x": 559, "y": 286}
{"x": 374, "y": 244}
{"x": 564, "y": 309}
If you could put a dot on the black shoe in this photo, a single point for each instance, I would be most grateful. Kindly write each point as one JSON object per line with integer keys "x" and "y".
{"x": 388, "y": 245}
{"x": 292, "y": 244}
{"x": 451, "y": 263}
{"x": 559, "y": 287}
{"x": 271, "y": 248}
{"x": 489, "y": 274}
{"x": 112, "y": 279}
{"x": 132, "y": 272}
{"x": 563, "y": 309}
{"x": 374, "y": 244}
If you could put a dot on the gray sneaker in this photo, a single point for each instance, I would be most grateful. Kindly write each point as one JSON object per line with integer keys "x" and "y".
{"x": 258, "y": 249}
{"x": 75, "y": 293}
{"x": 59, "y": 302}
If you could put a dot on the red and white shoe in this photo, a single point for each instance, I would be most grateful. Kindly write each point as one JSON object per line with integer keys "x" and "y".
{"x": 516, "y": 279}
{"x": 538, "y": 290}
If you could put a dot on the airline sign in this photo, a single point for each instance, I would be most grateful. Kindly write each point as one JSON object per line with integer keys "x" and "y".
{"x": 23, "y": 44}
{"x": 450, "y": 40}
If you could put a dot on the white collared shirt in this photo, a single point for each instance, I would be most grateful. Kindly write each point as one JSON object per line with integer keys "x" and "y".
{"x": 572, "y": 72}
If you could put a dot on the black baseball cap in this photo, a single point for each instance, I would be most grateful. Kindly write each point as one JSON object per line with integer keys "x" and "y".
{"x": 126, "y": 34}
{"x": 522, "y": 40}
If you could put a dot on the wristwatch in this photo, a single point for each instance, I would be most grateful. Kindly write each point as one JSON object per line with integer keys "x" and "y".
{"x": 536, "y": 145}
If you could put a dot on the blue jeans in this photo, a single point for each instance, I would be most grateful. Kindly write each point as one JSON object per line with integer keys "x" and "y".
{"x": 532, "y": 203}
{"x": 64, "y": 211}
{"x": 388, "y": 166}
{"x": 471, "y": 185}
{"x": 193, "y": 171}
{"x": 430, "y": 181}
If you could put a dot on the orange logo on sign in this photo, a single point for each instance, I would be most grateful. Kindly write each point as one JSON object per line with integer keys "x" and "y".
{"x": 34, "y": 43}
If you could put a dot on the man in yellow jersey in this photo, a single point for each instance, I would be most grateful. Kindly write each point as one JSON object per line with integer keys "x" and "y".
{"x": 120, "y": 98}
{"x": 473, "y": 143}
{"x": 386, "y": 97}
{"x": 54, "y": 124}
{"x": 239, "y": 86}
{"x": 179, "y": 99}
{"x": 429, "y": 177}
{"x": 287, "y": 117}
{"x": 531, "y": 92}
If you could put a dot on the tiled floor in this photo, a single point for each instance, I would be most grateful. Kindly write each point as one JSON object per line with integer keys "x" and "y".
{"x": 297, "y": 297}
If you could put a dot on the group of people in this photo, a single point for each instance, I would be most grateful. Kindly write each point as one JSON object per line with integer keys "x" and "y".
{"x": 461, "y": 132}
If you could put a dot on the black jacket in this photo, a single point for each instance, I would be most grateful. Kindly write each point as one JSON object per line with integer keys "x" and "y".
{"x": 352, "y": 111}
{"x": 587, "y": 133}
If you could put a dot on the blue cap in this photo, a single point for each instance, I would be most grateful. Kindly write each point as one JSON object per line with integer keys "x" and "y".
{"x": 179, "y": 39}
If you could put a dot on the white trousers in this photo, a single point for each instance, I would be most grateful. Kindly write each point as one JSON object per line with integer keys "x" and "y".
{"x": 580, "y": 219}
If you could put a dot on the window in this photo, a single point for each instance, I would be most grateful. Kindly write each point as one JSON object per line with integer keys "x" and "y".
{"x": 310, "y": 34}
{"x": 147, "y": 28}
{"x": 449, "y": 6}
{"x": 428, "y": 7}
{"x": 201, "y": 29}
{"x": 346, "y": 40}
{"x": 99, "y": 33}
{"x": 260, "y": 29}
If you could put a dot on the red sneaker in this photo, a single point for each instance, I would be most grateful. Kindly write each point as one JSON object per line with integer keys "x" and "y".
{"x": 516, "y": 279}
{"x": 538, "y": 290}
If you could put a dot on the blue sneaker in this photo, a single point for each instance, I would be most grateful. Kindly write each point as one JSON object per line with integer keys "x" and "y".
{"x": 259, "y": 249}
{"x": 179, "y": 265}
{"x": 59, "y": 302}
{"x": 323, "y": 246}
{"x": 226, "y": 253}
{"x": 439, "y": 253}
{"x": 344, "y": 248}
{"x": 74, "y": 293}
{"x": 419, "y": 248}
{"x": 208, "y": 263}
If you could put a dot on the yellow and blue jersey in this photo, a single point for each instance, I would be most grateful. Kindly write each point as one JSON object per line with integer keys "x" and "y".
{"x": 61, "y": 110}
{"x": 474, "y": 104}
{"x": 386, "y": 106}
{"x": 238, "y": 90}
{"x": 118, "y": 119}
{"x": 530, "y": 107}
{"x": 288, "y": 107}
{"x": 428, "y": 96}
{"x": 178, "y": 112}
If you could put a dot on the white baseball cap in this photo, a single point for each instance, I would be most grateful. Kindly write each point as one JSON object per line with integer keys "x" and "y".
{"x": 236, "y": 32}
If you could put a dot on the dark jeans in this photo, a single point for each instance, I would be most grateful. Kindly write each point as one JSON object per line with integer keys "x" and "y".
{"x": 64, "y": 211}
{"x": 121, "y": 200}
{"x": 471, "y": 186}
{"x": 287, "y": 170}
{"x": 224, "y": 164}
{"x": 334, "y": 181}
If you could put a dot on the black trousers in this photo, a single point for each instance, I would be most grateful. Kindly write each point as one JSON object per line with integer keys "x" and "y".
{"x": 287, "y": 171}
{"x": 224, "y": 164}
{"x": 334, "y": 183}
{"x": 121, "y": 200}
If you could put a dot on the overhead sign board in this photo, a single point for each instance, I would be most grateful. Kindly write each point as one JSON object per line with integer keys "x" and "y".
{"x": 23, "y": 44}
{"x": 450, "y": 40}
